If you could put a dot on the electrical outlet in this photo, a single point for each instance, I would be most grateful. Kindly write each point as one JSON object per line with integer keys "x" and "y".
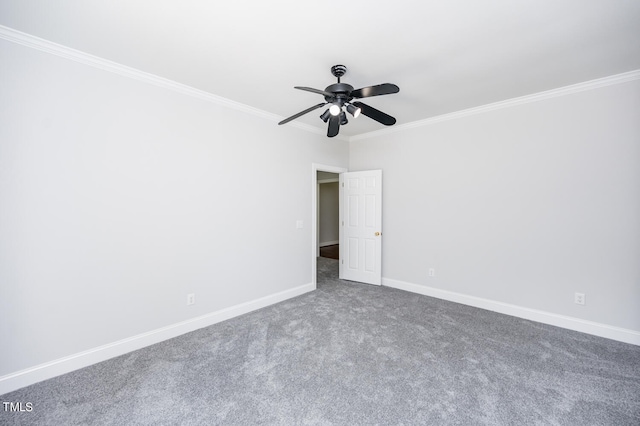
{"x": 191, "y": 298}
{"x": 579, "y": 298}
{"x": 432, "y": 272}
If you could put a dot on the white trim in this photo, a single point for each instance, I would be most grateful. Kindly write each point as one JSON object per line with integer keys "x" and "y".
{"x": 328, "y": 180}
{"x": 315, "y": 168}
{"x": 562, "y": 91}
{"x": 48, "y": 370}
{"x": 59, "y": 50}
{"x": 34, "y": 42}
{"x": 329, "y": 243}
{"x": 576, "y": 324}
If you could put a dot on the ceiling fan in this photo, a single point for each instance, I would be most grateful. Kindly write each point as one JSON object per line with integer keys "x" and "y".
{"x": 340, "y": 96}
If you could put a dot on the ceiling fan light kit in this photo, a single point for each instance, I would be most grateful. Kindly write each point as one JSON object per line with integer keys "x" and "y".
{"x": 343, "y": 118}
{"x": 355, "y": 112}
{"x": 340, "y": 96}
{"x": 325, "y": 116}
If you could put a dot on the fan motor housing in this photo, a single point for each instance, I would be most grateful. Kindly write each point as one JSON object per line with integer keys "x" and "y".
{"x": 341, "y": 91}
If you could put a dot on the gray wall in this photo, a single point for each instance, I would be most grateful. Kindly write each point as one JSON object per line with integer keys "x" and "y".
{"x": 524, "y": 205}
{"x": 118, "y": 198}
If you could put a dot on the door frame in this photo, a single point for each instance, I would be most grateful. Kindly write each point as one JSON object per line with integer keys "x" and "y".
{"x": 315, "y": 168}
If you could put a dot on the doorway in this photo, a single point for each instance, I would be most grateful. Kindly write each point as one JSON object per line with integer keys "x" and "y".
{"x": 328, "y": 215}
{"x": 323, "y": 175}
{"x": 360, "y": 224}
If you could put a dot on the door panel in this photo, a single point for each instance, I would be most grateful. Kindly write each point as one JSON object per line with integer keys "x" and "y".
{"x": 353, "y": 210}
{"x": 352, "y": 260}
{"x": 360, "y": 230}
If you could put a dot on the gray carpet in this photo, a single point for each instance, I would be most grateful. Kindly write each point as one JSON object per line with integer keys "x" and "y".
{"x": 353, "y": 354}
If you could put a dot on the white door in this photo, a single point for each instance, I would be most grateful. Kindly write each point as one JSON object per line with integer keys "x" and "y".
{"x": 361, "y": 226}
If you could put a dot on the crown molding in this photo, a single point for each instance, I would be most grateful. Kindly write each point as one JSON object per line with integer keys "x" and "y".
{"x": 553, "y": 93}
{"x": 28, "y": 40}
{"x": 34, "y": 42}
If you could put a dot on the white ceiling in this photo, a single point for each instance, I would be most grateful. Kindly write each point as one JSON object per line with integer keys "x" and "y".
{"x": 445, "y": 56}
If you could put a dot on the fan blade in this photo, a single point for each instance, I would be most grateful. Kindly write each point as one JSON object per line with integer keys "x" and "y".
{"x": 334, "y": 126}
{"x": 293, "y": 117}
{"x": 312, "y": 90}
{"x": 379, "y": 116}
{"x": 380, "y": 89}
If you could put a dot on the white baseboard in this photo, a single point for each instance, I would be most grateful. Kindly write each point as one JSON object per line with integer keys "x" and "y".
{"x": 48, "y": 370}
{"x": 576, "y": 324}
{"x": 329, "y": 243}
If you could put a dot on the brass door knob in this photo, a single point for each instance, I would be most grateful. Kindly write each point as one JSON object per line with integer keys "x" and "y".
{"x": 377, "y": 234}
